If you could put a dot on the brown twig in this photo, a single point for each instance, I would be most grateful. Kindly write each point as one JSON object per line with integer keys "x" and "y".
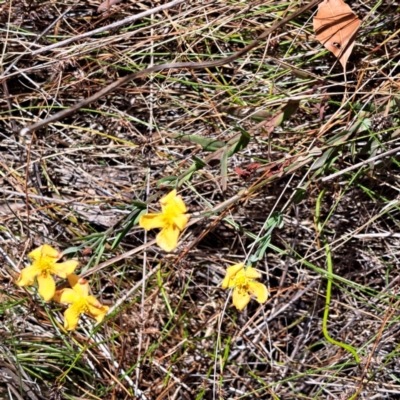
{"x": 156, "y": 68}
{"x": 109, "y": 27}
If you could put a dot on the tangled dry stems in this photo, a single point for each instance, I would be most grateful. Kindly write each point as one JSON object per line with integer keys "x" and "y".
{"x": 80, "y": 184}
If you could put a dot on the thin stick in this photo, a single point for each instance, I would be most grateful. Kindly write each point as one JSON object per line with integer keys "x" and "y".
{"x": 156, "y": 68}
{"x": 37, "y": 38}
{"x": 109, "y": 27}
{"x": 360, "y": 164}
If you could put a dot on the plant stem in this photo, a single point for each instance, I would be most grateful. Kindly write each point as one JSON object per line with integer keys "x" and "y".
{"x": 345, "y": 346}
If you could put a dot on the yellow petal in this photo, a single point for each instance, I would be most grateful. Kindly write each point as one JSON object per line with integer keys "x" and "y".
{"x": 252, "y": 273}
{"x": 27, "y": 276}
{"x": 181, "y": 220}
{"x": 67, "y": 296}
{"x": 174, "y": 203}
{"x": 169, "y": 198}
{"x": 98, "y": 313}
{"x": 179, "y": 204}
{"x": 240, "y": 299}
{"x": 92, "y": 301}
{"x": 234, "y": 269}
{"x": 167, "y": 239}
{"x": 45, "y": 251}
{"x": 79, "y": 285}
{"x": 71, "y": 316}
{"x": 47, "y": 286}
{"x": 227, "y": 282}
{"x": 65, "y": 268}
{"x": 259, "y": 290}
{"x": 151, "y": 221}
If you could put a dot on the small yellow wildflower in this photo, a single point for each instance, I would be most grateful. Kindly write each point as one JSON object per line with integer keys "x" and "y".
{"x": 172, "y": 220}
{"x": 44, "y": 265}
{"x": 81, "y": 302}
{"x": 244, "y": 284}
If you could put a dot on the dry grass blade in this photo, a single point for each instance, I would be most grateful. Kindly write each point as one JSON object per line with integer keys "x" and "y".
{"x": 249, "y": 144}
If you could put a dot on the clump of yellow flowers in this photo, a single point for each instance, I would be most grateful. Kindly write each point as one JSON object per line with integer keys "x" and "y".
{"x": 243, "y": 282}
{"x": 81, "y": 302}
{"x": 172, "y": 221}
{"x": 43, "y": 267}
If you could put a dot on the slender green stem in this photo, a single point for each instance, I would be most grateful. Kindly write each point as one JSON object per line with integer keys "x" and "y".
{"x": 345, "y": 346}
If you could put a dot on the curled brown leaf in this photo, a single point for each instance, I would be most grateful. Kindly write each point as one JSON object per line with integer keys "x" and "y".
{"x": 335, "y": 26}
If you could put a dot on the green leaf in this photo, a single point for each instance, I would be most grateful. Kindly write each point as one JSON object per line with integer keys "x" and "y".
{"x": 242, "y": 143}
{"x": 206, "y": 143}
{"x": 326, "y": 160}
{"x": 199, "y": 163}
{"x": 132, "y": 220}
{"x": 299, "y": 195}
{"x": 187, "y": 175}
{"x": 139, "y": 204}
{"x": 224, "y": 168}
{"x": 338, "y": 139}
{"x": 168, "y": 181}
{"x": 73, "y": 249}
{"x": 274, "y": 221}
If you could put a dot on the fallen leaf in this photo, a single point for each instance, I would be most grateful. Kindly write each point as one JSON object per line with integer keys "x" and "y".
{"x": 253, "y": 166}
{"x": 335, "y": 26}
{"x": 242, "y": 173}
{"x": 248, "y": 171}
{"x": 107, "y": 4}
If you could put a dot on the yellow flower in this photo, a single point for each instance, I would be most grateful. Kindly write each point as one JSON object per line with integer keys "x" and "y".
{"x": 172, "y": 220}
{"x": 244, "y": 284}
{"x": 81, "y": 302}
{"x": 44, "y": 265}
